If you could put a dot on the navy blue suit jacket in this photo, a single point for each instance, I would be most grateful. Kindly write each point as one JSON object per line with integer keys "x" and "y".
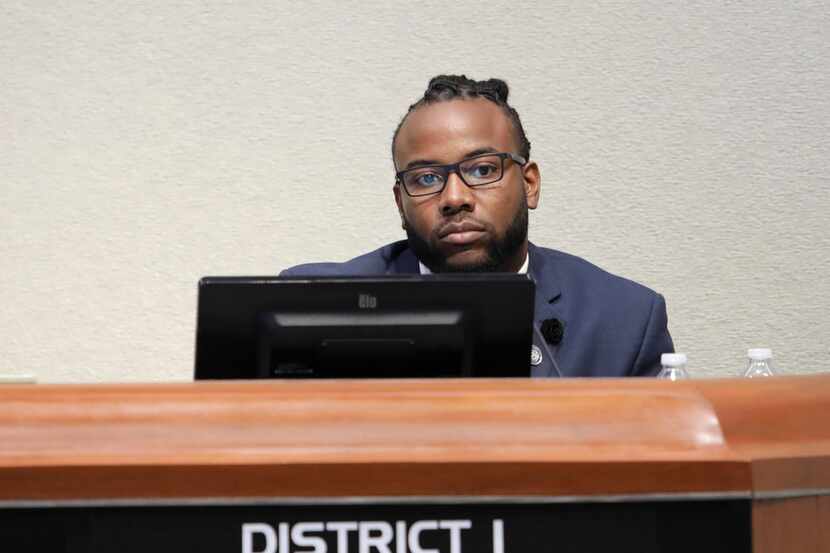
{"x": 612, "y": 326}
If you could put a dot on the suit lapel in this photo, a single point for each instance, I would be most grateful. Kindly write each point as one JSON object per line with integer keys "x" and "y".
{"x": 548, "y": 292}
{"x": 403, "y": 263}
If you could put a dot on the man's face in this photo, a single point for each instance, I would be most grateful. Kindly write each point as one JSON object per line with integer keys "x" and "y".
{"x": 463, "y": 228}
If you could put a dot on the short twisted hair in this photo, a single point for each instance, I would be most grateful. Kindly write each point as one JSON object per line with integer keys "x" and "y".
{"x": 450, "y": 87}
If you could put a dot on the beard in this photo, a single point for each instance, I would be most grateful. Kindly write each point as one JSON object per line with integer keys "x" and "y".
{"x": 498, "y": 253}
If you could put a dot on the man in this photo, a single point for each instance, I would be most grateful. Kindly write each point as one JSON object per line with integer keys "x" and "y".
{"x": 464, "y": 184}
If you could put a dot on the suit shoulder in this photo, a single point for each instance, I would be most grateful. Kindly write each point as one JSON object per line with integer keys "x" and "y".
{"x": 578, "y": 273}
{"x": 372, "y": 263}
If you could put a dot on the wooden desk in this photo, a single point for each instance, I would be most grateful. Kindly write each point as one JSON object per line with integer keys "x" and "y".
{"x": 565, "y": 465}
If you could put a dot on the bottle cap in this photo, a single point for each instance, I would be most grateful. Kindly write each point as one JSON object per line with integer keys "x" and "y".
{"x": 673, "y": 359}
{"x": 759, "y": 354}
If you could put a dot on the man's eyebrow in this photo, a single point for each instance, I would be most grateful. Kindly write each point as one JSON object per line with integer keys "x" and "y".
{"x": 473, "y": 153}
{"x": 481, "y": 151}
{"x": 421, "y": 162}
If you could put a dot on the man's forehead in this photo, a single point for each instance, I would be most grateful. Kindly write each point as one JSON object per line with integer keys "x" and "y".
{"x": 445, "y": 131}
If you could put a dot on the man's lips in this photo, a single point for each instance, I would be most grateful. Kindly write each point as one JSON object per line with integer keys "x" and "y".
{"x": 459, "y": 234}
{"x": 462, "y": 238}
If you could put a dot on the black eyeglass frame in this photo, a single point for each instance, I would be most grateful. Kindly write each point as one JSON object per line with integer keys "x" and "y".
{"x": 450, "y": 168}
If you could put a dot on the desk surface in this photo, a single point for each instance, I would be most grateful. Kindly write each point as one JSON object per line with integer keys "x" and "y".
{"x": 497, "y": 438}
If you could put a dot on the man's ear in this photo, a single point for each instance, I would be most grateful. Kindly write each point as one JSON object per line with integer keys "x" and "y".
{"x": 533, "y": 183}
{"x": 396, "y": 189}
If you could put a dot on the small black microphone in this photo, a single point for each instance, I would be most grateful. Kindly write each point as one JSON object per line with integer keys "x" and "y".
{"x": 552, "y": 331}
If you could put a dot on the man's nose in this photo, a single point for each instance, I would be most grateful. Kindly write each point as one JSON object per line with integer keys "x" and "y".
{"x": 456, "y": 196}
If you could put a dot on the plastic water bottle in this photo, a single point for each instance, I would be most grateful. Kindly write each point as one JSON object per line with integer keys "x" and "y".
{"x": 674, "y": 366}
{"x": 760, "y": 363}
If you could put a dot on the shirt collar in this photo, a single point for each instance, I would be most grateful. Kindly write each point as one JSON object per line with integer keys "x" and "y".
{"x": 522, "y": 270}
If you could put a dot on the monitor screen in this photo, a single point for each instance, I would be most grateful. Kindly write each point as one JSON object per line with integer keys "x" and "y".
{"x": 364, "y": 327}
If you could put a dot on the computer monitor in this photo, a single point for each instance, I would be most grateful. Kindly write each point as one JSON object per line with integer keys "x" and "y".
{"x": 364, "y": 327}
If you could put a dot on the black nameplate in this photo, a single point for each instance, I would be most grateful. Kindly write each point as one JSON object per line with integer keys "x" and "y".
{"x": 642, "y": 527}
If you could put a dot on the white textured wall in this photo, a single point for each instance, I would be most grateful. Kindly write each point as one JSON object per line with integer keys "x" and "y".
{"x": 146, "y": 144}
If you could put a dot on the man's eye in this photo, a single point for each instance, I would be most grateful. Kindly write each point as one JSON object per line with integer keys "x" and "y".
{"x": 428, "y": 179}
{"x": 482, "y": 171}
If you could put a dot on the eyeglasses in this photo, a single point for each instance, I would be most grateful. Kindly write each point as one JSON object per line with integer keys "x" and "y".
{"x": 473, "y": 171}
